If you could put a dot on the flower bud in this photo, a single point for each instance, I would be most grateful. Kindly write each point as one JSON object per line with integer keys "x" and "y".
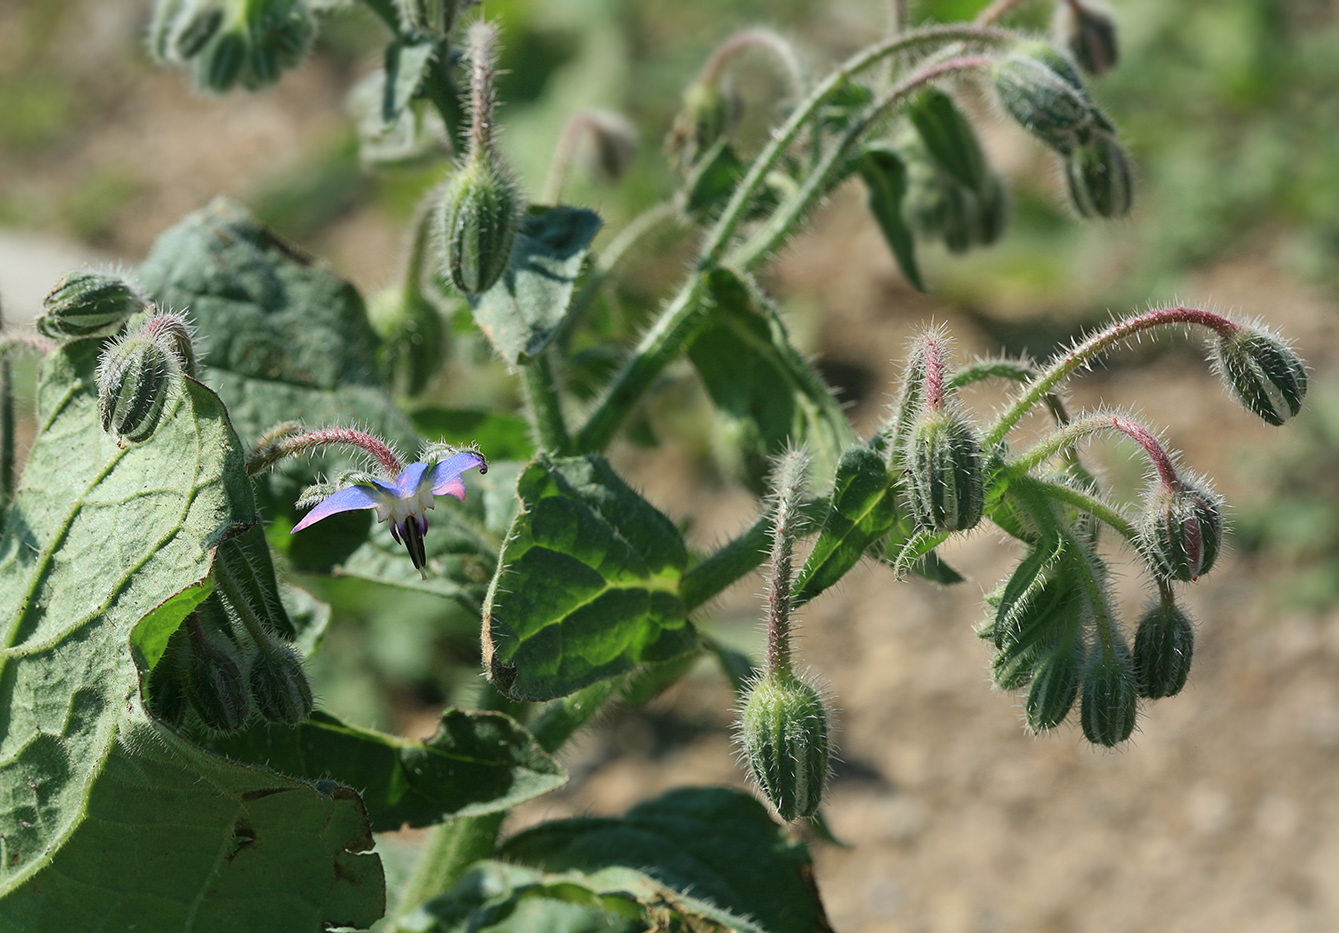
{"x": 1181, "y": 529}
{"x": 279, "y": 39}
{"x": 196, "y": 24}
{"x": 1055, "y": 686}
{"x": 413, "y": 338}
{"x": 215, "y": 686}
{"x": 436, "y": 17}
{"x": 1098, "y": 173}
{"x": 1265, "y": 375}
{"x": 1163, "y": 646}
{"x": 174, "y": 334}
{"x": 708, "y": 112}
{"x": 166, "y": 699}
{"x": 279, "y": 685}
{"x": 1089, "y": 32}
{"x": 134, "y": 383}
{"x": 217, "y": 67}
{"x": 945, "y": 474}
{"x": 1110, "y": 704}
{"x": 613, "y": 145}
{"x": 479, "y": 216}
{"x": 784, "y": 735}
{"x": 88, "y": 304}
{"x": 1042, "y": 90}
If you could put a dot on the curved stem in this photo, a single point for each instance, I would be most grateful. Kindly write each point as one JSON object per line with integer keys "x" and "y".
{"x": 1090, "y": 349}
{"x": 818, "y": 181}
{"x": 450, "y": 848}
{"x": 733, "y": 215}
{"x": 1100, "y": 423}
{"x": 997, "y": 11}
{"x": 1090, "y": 504}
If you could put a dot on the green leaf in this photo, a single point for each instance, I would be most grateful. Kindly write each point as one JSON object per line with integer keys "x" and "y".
{"x": 767, "y": 393}
{"x": 500, "y": 435}
{"x": 951, "y": 141}
{"x": 712, "y": 180}
{"x": 863, "y": 510}
{"x": 718, "y": 845}
{"x": 521, "y": 313}
{"x": 476, "y": 763}
{"x": 587, "y": 583}
{"x": 498, "y": 897}
{"x": 885, "y": 176}
{"x": 283, "y": 337}
{"x": 407, "y": 62}
{"x": 111, "y": 821}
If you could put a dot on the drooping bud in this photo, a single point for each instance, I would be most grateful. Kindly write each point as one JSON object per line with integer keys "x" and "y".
{"x": 708, "y": 111}
{"x": 1088, "y": 30}
{"x": 1163, "y": 646}
{"x": 945, "y": 472}
{"x": 214, "y": 684}
{"x": 193, "y": 30}
{"x": 1181, "y": 529}
{"x": 1110, "y": 703}
{"x": 134, "y": 384}
{"x": 613, "y": 145}
{"x": 88, "y": 304}
{"x": 1055, "y": 686}
{"x": 226, "y": 43}
{"x": 279, "y": 685}
{"x": 1042, "y": 90}
{"x": 1098, "y": 173}
{"x": 166, "y": 699}
{"x": 412, "y": 335}
{"x": 435, "y": 17}
{"x": 279, "y": 37}
{"x": 1262, "y": 371}
{"x": 480, "y": 215}
{"x": 217, "y": 67}
{"x": 785, "y": 739}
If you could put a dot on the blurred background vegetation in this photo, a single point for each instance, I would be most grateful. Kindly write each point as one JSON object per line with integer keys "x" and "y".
{"x": 1228, "y": 109}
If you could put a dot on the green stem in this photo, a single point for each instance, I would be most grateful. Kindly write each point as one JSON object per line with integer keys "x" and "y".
{"x": 451, "y": 847}
{"x": 675, "y": 328}
{"x": 1100, "y": 423}
{"x": 735, "y": 211}
{"x": 1086, "y": 352}
{"x": 7, "y": 467}
{"x": 237, "y": 601}
{"x": 1090, "y": 504}
{"x": 818, "y": 181}
{"x": 541, "y": 388}
{"x": 561, "y": 719}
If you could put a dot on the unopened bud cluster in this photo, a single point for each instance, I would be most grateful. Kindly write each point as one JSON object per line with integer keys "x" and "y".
{"x": 89, "y": 304}
{"x": 232, "y": 43}
{"x": 226, "y": 664}
{"x": 1262, "y": 371}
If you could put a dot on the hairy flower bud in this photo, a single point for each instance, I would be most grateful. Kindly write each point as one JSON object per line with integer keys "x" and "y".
{"x": 1042, "y": 90}
{"x": 1163, "y": 646}
{"x": 193, "y": 29}
{"x": 174, "y": 334}
{"x": 1098, "y": 173}
{"x": 480, "y": 214}
{"x": 945, "y": 472}
{"x": 1089, "y": 32}
{"x": 1181, "y": 529}
{"x": 785, "y": 741}
{"x": 1263, "y": 372}
{"x": 215, "y": 686}
{"x": 706, "y": 114}
{"x": 279, "y": 685}
{"x": 134, "y": 383}
{"x": 88, "y": 304}
{"x": 1055, "y": 687}
{"x": 613, "y": 145}
{"x": 1110, "y": 703}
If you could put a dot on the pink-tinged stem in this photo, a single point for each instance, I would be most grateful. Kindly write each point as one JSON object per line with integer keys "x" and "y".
{"x": 1097, "y": 424}
{"x": 1088, "y": 351}
{"x": 290, "y": 440}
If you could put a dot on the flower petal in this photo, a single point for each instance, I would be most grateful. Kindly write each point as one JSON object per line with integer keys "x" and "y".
{"x": 407, "y": 483}
{"x": 346, "y": 500}
{"x": 446, "y": 479}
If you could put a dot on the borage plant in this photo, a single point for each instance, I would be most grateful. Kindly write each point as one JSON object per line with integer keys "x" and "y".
{"x": 165, "y": 765}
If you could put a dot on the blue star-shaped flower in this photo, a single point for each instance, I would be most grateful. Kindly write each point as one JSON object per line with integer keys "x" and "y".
{"x": 404, "y": 500}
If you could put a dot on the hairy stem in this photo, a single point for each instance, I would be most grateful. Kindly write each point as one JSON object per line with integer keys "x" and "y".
{"x": 541, "y": 388}
{"x": 451, "y": 847}
{"x": 1086, "y": 352}
{"x": 1101, "y": 423}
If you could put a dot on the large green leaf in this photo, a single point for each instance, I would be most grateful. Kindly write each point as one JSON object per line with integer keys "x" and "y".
{"x": 718, "y": 845}
{"x": 108, "y": 817}
{"x": 767, "y": 393}
{"x": 587, "y": 583}
{"x": 477, "y": 762}
{"x": 862, "y": 511}
{"x": 283, "y": 337}
{"x": 521, "y": 312}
